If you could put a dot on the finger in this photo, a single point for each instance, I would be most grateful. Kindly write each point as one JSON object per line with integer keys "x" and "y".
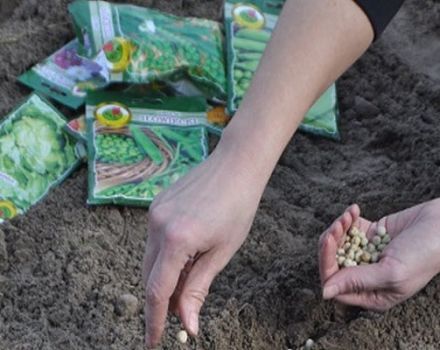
{"x": 196, "y": 289}
{"x": 366, "y": 300}
{"x": 332, "y": 239}
{"x": 357, "y": 280}
{"x": 173, "y": 307}
{"x": 150, "y": 255}
{"x": 161, "y": 284}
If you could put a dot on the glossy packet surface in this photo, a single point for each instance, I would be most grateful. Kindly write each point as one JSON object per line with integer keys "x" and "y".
{"x": 65, "y": 76}
{"x": 141, "y": 45}
{"x": 249, "y": 27}
{"x": 138, "y": 146}
{"x": 36, "y": 154}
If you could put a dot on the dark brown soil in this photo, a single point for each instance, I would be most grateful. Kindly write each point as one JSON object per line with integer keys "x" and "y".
{"x": 63, "y": 266}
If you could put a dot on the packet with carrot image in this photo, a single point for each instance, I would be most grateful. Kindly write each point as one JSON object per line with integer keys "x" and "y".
{"x": 142, "y": 45}
{"x": 138, "y": 146}
{"x": 249, "y": 25}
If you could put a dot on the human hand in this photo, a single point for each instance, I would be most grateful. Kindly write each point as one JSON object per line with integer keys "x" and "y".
{"x": 195, "y": 227}
{"x": 408, "y": 263}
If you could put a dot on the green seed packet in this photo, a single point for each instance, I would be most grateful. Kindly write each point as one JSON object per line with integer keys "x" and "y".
{"x": 249, "y": 27}
{"x": 141, "y": 45}
{"x": 65, "y": 76}
{"x": 36, "y": 154}
{"x": 138, "y": 146}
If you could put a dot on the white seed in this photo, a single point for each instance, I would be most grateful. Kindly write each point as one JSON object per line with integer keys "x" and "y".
{"x": 362, "y": 234}
{"x": 374, "y": 257}
{"x": 347, "y": 238}
{"x": 386, "y": 238}
{"x": 309, "y": 344}
{"x": 381, "y": 247}
{"x": 348, "y": 262}
{"x": 364, "y": 241}
{"x": 350, "y": 254}
{"x": 371, "y": 248}
{"x": 358, "y": 255}
{"x": 355, "y": 241}
{"x": 366, "y": 257}
{"x": 341, "y": 260}
{"x": 354, "y": 231}
{"x": 381, "y": 231}
{"x": 182, "y": 336}
{"x": 341, "y": 251}
{"x": 376, "y": 240}
{"x": 347, "y": 246}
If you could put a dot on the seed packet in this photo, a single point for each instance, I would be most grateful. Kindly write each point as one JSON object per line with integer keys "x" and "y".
{"x": 36, "y": 154}
{"x": 138, "y": 146}
{"x": 141, "y": 45}
{"x": 249, "y": 27}
{"x": 65, "y": 76}
{"x": 77, "y": 127}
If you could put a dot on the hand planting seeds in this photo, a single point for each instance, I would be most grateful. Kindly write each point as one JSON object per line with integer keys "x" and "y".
{"x": 357, "y": 250}
{"x": 139, "y": 146}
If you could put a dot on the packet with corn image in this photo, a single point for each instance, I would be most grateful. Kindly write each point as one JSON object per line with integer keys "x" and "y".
{"x": 138, "y": 146}
{"x": 36, "y": 154}
{"x": 141, "y": 45}
{"x": 249, "y": 25}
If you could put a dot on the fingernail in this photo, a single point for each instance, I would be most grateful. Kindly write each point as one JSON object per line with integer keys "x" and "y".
{"x": 193, "y": 323}
{"x": 330, "y": 292}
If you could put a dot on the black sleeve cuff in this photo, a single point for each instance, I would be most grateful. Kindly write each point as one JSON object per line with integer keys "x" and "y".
{"x": 380, "y": 13}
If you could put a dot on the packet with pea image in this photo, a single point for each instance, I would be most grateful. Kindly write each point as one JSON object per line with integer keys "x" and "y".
{"x": 249, "y": 25}
{"x": 138, "y": 146}
{"x": 142, "y": 45}
{"x": 36, "y": 154}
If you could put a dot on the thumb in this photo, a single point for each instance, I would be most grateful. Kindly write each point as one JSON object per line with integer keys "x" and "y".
{"x": 356, "y": 280}
{"x": 195, "y": 290}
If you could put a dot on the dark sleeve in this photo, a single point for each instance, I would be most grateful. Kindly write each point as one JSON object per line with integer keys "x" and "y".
{"x": 380, "y": 12}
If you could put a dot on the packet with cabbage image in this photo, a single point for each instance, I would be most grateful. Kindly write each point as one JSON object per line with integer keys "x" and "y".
{"x": 65, "y": 76}
{"x": 138, "y": 146}
{"x": 36, "y": 154}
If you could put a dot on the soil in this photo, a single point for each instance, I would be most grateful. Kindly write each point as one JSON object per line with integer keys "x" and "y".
{"x": 64, "y": 267}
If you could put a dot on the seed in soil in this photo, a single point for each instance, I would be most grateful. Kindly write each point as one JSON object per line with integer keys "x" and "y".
{"x": 182, "y": 336}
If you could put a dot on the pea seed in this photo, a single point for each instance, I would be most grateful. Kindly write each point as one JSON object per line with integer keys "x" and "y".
{"x": 350, "y": 254}
{"x": 371, "y": 248}
{"x": 347, "y": 246}
{"x": 354, "y": 231}
{"x": 355, "y": 241}
{"x": 366, "y": 257}
{"x": 381, "y": 231}
{"x": 386, "y": 238}
{"x": 381, "y": 247}
{"x": 349, "y": 262}
{"x": 358, "y": 254}
{"x": 375, "y": 257}
{"x": 182, "y": 336}
{"x": 364, "y": 241}
{"x": 341, "y": 260}
{"x": 341, "y": 251}
{"x": 376, "y": 240}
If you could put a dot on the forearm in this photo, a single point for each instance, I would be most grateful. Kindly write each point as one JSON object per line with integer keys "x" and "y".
{"x": 314, "y": 43}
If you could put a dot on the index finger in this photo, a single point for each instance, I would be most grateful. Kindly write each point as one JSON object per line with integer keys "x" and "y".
{"x": 160, "y": 287}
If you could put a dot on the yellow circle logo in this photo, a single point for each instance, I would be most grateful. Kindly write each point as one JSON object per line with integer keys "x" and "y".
{"x": 248, "y": 16}
{"x": 7, "y": 210}
{"x": 113, "y": 114}
{"x": 118, "y": 53}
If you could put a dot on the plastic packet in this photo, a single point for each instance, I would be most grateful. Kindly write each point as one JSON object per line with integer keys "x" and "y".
{"x": 36, "y": 154}
{"x": 138, "y": 146}
{"x": 249, "y": 27}
{"x": 65, "y": 76}
{"x": 141, "y": 45}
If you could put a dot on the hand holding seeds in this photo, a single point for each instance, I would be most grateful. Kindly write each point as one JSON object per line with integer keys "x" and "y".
{"x": 377, "y": 265}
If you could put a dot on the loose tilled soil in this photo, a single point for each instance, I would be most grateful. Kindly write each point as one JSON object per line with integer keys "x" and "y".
{"x": 63, "y": 265}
